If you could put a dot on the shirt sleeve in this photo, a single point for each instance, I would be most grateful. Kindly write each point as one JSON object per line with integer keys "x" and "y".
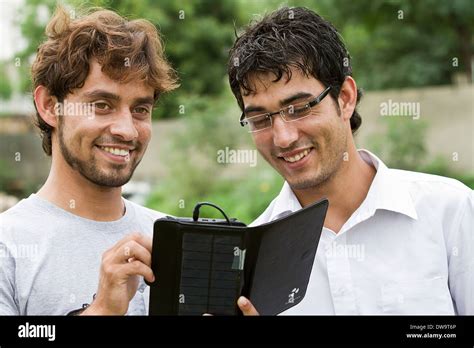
{"x": 8, "y": 304}
{"x": 461, "y": 259}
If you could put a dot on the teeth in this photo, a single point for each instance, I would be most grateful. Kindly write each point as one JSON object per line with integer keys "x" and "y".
{"x": 297, "y": 157}
{"x": 116, "y": 151}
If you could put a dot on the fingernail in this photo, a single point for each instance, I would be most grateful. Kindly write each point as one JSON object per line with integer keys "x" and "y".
{"x": 243, "y": 302}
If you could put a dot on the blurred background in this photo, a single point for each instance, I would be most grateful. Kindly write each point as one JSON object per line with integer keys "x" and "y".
{"x": 402, "y": 51}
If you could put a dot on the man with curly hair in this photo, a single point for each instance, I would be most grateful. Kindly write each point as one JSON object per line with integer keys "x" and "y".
{"x": 96, "y": 79}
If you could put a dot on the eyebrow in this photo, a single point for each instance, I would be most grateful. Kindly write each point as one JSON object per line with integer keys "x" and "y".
{"x": 299, "y": 95}
{"x": 144, "y": 100}
{"x": 99, "y": 93}
{"x": 286, "y": 101}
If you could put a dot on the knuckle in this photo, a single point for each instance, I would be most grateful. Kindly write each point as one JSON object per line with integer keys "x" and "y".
{"x": 132, "y": 244}
{"x": 108, "y": 269}
{"x": 128, "y": 249}
{"x": 135, "y": 236}
{"x": 136, "y": 266}
{"x": 106, "y": 257}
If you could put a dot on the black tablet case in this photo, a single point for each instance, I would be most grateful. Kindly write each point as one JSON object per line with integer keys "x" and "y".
{"x": 203, "y": 267}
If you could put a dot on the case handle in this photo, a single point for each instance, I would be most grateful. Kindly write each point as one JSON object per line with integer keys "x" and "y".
{"x": 199, "y": 205}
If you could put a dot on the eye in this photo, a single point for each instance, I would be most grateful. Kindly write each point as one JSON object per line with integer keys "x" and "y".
{"x": 142, "y": 112}
{"x": 300, "y": 109}
{"x": 101, "y": 106}
{"x": 260, "y": 122}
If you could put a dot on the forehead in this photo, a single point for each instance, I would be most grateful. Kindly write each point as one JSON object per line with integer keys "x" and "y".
{"x": 265, "y": 87}
{"x": 99, "y": 80}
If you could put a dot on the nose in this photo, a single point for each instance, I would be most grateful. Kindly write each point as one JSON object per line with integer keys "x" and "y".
{"x": 284, "y": 133}
{"x": 124, "y": 127}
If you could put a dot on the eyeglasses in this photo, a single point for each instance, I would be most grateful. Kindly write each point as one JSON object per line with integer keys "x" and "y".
{"x": 289, "y": 113}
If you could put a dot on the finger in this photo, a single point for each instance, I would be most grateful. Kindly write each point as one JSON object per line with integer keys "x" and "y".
{"x": 138, "y": 268}
{"x": 143, "y": 240}
{"x": 246, "y": 306}
{"x": 140, "y": 238}
{"x": 132, "y": 251}
{"x": 125, "y": 239}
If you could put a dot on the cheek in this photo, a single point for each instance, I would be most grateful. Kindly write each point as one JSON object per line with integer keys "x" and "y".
{"x": 71, "y": 128}
{"x": 323, "y": 129}
{"x": 144, "y": 131}
{"x": 83, "y": 133}
{"x": 263, "y": 142}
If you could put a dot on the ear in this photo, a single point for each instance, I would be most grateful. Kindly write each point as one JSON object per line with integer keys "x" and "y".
{"x": 347, "y": 98}
{"x": 45, "y": 104}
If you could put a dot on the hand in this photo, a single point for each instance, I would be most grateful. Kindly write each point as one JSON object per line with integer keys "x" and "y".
{"x": 246, "y": 306}
{"x": 121, "y": 267}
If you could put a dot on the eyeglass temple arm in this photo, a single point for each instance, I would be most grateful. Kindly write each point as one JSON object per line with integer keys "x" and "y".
{"x": 243, "y": 123}
{"x": 320, "y": 97}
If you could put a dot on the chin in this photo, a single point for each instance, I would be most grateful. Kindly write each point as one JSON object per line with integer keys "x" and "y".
{"x": 110, "y": 180}
{"x": 305, "y": 183}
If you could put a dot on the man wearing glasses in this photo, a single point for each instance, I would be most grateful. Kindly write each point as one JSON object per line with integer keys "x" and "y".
{"x": 394, "y": 242}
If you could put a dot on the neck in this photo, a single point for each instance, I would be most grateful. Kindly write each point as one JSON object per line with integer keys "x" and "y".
{"x": 346, "y": 190}
{"x": 69, "y": 190}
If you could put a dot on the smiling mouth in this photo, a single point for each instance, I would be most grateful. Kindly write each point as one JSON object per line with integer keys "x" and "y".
{"x": 115, "y": 151}
{"x": 296, "y": 157}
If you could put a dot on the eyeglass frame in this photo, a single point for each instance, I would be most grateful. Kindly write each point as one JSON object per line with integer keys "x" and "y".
{"x": 314, "y": 102}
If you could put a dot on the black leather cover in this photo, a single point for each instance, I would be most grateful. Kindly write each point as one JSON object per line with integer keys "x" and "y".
{"x": 203, "y": 267}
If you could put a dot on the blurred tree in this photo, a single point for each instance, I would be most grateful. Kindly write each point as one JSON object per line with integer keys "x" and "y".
{"x": 394, "y": 43}
{"x": 402, "y": 144}
{"x": 32, "y": 18}
{"x": 5, "y": 87}
{"x": 403, "y": 43}
{"x": 198, "y": 35}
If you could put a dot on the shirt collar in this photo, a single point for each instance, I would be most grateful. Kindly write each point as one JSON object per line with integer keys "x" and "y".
{"x": 386, "y": 192}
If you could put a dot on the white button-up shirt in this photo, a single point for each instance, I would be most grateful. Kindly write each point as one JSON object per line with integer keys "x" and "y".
{"x": 407, "y": 249}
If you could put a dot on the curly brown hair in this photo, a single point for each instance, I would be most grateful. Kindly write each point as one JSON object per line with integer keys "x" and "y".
{"x": 126, "y": 50}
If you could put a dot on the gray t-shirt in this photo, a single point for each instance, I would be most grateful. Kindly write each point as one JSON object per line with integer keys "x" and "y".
{"x": 50, "y": 259}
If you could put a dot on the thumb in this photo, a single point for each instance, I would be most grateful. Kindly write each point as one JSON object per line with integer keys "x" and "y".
{"x": 246, "y": 306}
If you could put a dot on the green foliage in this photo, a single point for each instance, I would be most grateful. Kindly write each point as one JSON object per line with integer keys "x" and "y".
{"x": 397, "y": 43}
{"x": 33, "y": 31}
{"x": 406, "y": 43}
{"x": 7, "y": 175}
{"x": 388, "y": 52}
{"x": 197, "y": 35}
{"x": 244, "y": 199}
{"x": 5, "y": 88}
{"x": 439, "y": 166}
{"x": 402, "y": 143}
